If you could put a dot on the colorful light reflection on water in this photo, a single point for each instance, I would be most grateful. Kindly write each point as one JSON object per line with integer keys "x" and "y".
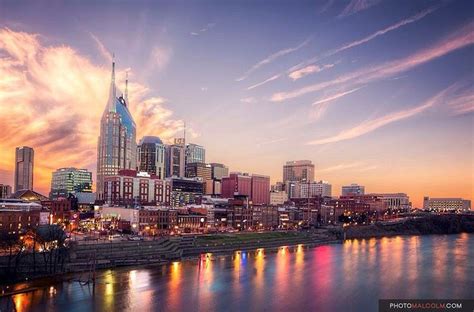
{"x": 350, "y": 276}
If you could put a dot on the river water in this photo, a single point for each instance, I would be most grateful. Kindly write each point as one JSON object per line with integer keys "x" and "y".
{"x": 344, "y": 277}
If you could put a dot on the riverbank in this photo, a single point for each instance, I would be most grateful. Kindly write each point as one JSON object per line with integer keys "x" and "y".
{"x": 418, "y": 225}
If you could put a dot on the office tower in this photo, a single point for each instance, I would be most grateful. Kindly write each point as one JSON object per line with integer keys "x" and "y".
{"x": 299, "y": 170}
{"x": 260, "y": 189}
{"x": 117, "y": 140}
{"x": 175, "y": 159}
{"x": 151, "y": 156}
{"x": 24, "y": 166}
{"x": 354, "y": 189}
{"x": 67, "y": 181}
{"x": 236, "y": 184}
{"x": 195, "y": 154}
{"x": 199, "y": 170}
{"x": 219, "y": 171}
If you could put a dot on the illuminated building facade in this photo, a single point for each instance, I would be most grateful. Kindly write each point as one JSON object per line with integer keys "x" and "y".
{"x": 117, "y": 145}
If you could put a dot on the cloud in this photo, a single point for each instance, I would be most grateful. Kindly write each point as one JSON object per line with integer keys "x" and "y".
{"x": 263, "y": 82}
{"x": 373, "y": 124}
{"x": 462, "y": 103}
{"x": 202, "y": 30}
{"x": 102, "y": 49}
{"x": 321, "y": 105}
{"x": 457, "y": 40}
{"x": 160, "y": 57}
{"x": 342, "y": 166}
{"x": 297, "y": 74}
{"x": 269, "y": 59}
{"x": 248, "y": 100}
{"x": 50, "y": 99}
{"x": 308, "y": 65}
{"x": 356, "y": 6}
{"x": 272, "y": 141}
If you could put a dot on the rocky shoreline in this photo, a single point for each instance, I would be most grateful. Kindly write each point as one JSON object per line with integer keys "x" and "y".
{"x": 418, "y": 225}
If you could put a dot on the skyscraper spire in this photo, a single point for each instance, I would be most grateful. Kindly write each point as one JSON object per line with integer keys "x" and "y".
{"x": 113, "y": 74}
{"x": 126, "y": 87}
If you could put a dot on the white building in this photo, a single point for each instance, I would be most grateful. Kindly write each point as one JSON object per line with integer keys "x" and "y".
{"x": 353, "y": 189}
{"x": 446, "y": 204}
{"x": 310, "y": 189}
{"x": 394, "y": 201}
{"x": 278, "y": 198}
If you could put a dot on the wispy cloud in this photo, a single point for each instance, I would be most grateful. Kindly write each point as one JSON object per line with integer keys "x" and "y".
{"x": 373, "y": 124}
{"x": 203, "y": 30}
{"x": 321, "y": 105}
{"x": 356, "y": 6}
{"x": 311, "y": 69}
{"x": 457, "y": 40}
{"x": 463, "y": 102}
{"x": 102, "y": 49}
{"x": 272, "y": 141}
{"x": 307, "y": 66}
{"x": 342, "y": 166}
{"x": 263, "y": 82}
{"x": 248, "y": 100}
{"x": 43, "y": 86}
{"x": 269, "y": 59}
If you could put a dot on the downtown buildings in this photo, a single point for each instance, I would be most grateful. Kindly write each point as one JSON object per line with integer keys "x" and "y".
{"x": 446, "y": 204}
{"x": 151, "y": 156}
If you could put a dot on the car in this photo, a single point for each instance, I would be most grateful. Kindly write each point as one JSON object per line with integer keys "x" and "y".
{"x": 135, "y": 238}
{"x": 115, "y": 237}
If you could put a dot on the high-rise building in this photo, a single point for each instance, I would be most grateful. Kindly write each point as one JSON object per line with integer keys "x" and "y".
{"x": 446, "y": 204}
{"x": 151, "y": 156}
{"x": 175, "y": 159}
{"x": 185, "y": 191}
{"x": 260, "y": 189}
{"x": 67, "y": 181}
{"x": 353, "y": 189}
{"x": 117, "y": 145}
{"x": 299, "y": 170}
{"x": 198, "y": 170}
{"x": 24, "y": 166}
{"x": 219, "y": 171}
{"x": 310, "y": 189}
{"x": 5, "y": 190}
{"x": 236, "y": 184}
{"x": 195, "y": 154}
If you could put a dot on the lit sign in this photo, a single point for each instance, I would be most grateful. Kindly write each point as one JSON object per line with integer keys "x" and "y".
{"x": 179, "y": 141}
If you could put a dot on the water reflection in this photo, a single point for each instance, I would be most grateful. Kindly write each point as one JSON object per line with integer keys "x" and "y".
{"x": 290, "y": 278}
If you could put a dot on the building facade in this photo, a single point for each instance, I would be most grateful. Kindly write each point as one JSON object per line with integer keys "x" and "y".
{"x": 278, "y": 198}
{"x": 24, "y": 167}
{"x": 131, "y": 188}
{"x": 195, "y": 154}
{"x": 151, "y": 156}
{"x": 354, "y": 189}
{"x": 117, "y": 145}
{"x": 299, "y": 170}
{"x": 236, "y": 184}
{"x": 309, "y": 189}
{"x": 446, "y": 204}
{"x": 185, "y": 191}
{"x": 260, "y": 194}
{"x": 175, "y": 160}
{"x": 5, "y": 191}
{"x": 67, "y": 181}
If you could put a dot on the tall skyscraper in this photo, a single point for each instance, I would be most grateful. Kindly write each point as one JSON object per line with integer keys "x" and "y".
{"x": 299, "y": 170}
{"x": 24, "y": 166}
{"x": 175, "y": 159}
{"x": 117, "y": 145}
{"x": 67, "y": 181}
{"x": 195, "y": 154}
{"x": 353, "y": 189}
{"x": 151, "y": 156}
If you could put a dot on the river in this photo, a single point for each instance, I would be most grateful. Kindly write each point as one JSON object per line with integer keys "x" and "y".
{"x": 344, "y": 277}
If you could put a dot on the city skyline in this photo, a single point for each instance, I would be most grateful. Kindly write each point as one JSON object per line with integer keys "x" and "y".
{"x": 370, "y": 104}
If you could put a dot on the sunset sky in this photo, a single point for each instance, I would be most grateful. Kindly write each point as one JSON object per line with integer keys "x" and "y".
{"x": 375, "y": 92}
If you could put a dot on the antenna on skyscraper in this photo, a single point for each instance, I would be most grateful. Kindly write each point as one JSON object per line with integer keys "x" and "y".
{"x": 184, "y": 136}
{"x": 126, "y": 87}
{"x": 113, "y": 73}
